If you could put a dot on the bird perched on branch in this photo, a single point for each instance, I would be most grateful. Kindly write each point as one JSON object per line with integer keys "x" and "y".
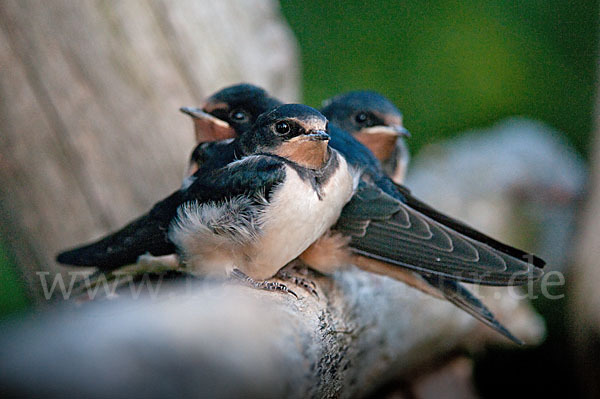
{"x": 359, "y": 156}
{"x": 230, "y": 220}
{"x": 346, "y": 110}
{"x": 385, "y": 230}
{"x": 368, "y": 114}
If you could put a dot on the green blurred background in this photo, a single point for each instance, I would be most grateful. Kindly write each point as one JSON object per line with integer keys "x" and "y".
{"x": 454, "y": 65}
{"x": 449, "y": 66}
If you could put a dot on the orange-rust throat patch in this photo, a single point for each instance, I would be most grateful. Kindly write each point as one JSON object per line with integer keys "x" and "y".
{"x": 381, "y": 144}
{"x": 211, "y": 130}
{"x": 308, "y": 153}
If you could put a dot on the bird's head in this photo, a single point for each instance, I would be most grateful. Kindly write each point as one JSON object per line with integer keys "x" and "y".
{"x": 292, "y": 131}
{"x": 229, "y": 112}
{"x": 370, "y": 117}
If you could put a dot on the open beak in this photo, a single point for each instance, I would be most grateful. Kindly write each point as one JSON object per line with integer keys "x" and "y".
{"x": 318, "y": 135}
{"x": 208, "y": 127}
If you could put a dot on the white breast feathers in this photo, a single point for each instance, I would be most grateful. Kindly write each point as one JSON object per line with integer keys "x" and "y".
{"x": 215, "y": 238}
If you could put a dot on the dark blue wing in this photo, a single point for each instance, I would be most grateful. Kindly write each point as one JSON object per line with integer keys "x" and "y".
{"x": 465, "y": 229}
{"x": 461, "y": 297}
{"x": 385, "y": 228}
{"x": 248, "y": 176}
{"x": 149, "y": 233}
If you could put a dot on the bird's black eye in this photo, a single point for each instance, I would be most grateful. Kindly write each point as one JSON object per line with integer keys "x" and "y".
{"x": 282, "y": 127}
{"x": 238, "y": 115}
{"x": 361, "y": 117}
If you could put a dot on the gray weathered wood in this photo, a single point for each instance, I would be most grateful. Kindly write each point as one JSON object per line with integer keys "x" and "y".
{"x": 89, "y": 94}
{"x": 231, "y": 341}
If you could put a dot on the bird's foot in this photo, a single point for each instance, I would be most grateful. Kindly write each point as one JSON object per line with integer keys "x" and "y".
{"x": 287, "y": 274}
{"x": 261, "y": 285}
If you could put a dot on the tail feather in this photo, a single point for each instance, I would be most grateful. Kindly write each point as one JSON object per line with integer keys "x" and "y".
{"x": 439, "y": 287}
{"x": 460, "y": 296}
{"x": 146, "y": 234}
{"x": 123, "y": 247}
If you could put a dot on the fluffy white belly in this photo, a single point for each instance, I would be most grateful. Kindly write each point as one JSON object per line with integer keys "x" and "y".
{"x": 294, "y": 218}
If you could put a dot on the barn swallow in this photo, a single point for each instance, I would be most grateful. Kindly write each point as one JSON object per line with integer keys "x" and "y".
{"x": 226, "y": 114}
{"x": 230, "y": 220}
{"x": 376, "y": 122}
{"x": 451, "y": 250}
{"x": 363, "y": 112}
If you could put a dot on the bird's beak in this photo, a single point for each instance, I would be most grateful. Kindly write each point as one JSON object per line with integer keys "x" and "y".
{"x": 196, "y": 113}
{"x": 401, "y": 131}
{"x": 393, "y": 130}
{"x": 208, "y": 127}
{"x": 318, "y": 135}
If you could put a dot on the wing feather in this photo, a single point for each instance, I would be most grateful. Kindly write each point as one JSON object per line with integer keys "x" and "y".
{"x": 463, "y": 228}
{"x": 460, "y": 296}
{"x": 149, "y": 233}
{"x": 385, "y": 228}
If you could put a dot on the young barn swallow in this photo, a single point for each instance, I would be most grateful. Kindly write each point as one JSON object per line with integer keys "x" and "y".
{"x": 374, "y": 121}
{"x": 230, "y": 220}
{"x": 408, "y": 233}
{"x": 362, "y": 113}
{"x": 226, "y": 114}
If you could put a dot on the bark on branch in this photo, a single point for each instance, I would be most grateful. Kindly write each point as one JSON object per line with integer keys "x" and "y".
{"x": 209, "y": 339}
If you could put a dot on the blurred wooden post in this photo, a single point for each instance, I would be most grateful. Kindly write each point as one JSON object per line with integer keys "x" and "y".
{"x": 584, "y": 282}
{"x": 89, "y": 97}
